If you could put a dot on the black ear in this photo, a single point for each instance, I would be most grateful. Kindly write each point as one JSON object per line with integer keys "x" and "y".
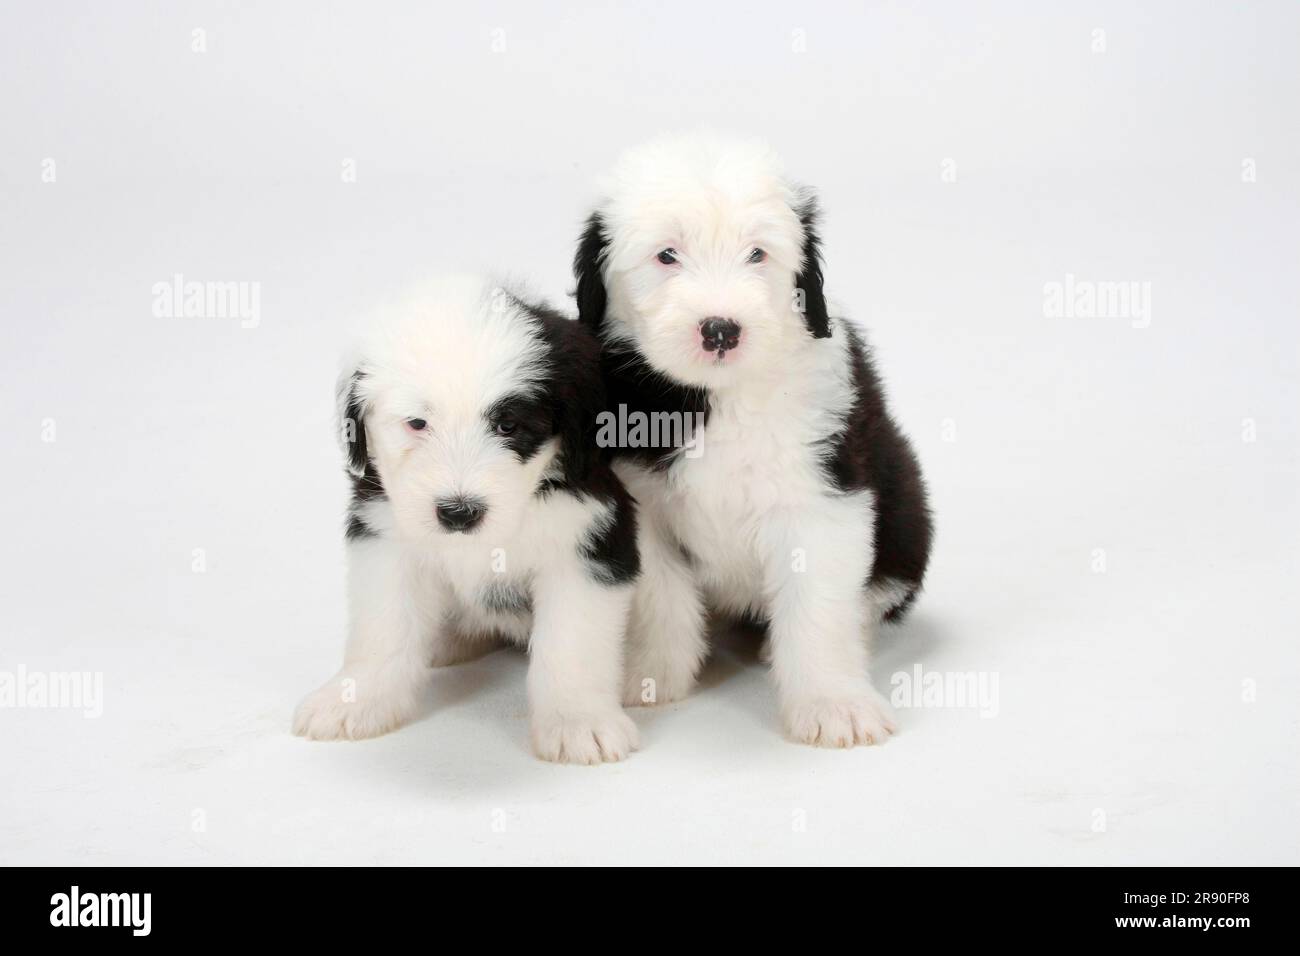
{"x": 811, "y": 300}
{"x": 590, "y": 293}
{"x": 352, "y": 423}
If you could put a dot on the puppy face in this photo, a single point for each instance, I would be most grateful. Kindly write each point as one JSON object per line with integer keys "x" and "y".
{"x": 455, "y": 391}
{"x": 704, "y": 253}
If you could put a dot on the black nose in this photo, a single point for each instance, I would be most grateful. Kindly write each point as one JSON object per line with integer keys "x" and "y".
{"x": 719, "y": 334}
{"x": 460, "y": 514}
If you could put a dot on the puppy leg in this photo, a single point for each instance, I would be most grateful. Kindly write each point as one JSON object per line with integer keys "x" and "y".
{"x": 450, "y": 647}
{"x": 817, "y": 562}
{"x": 666, "y": 631}
{"x": 385, "y": 666}
{"x": 575, "y": 669}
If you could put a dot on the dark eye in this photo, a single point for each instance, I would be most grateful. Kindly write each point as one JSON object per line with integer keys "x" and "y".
{"x": 506, "y": 427}
{"x": 667, "y": 257}
{"x": 416, "y": 424}
{"x": 758, "y": 255}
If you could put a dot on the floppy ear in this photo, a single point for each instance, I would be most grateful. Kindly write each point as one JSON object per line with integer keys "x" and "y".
{"x": 811, "y": 299}
{"x": 590, "y": 293}
{"x": 352, "y": 423}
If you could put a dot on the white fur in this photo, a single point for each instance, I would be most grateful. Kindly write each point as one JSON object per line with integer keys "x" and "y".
{"x": 415, "y": 589}
{"x": 766, "y": 532}
{"x": 714, "y": 202}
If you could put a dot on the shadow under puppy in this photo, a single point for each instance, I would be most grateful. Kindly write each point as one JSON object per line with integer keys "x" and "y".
{"x": 481, "y": 511}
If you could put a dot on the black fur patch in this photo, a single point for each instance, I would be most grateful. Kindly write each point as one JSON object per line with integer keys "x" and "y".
{"x": 353, "y": 426}
{"x": 574, "y": 391}
{"x": 613, "y": 552}
{"x": 575, "y": 395}
{"x": 534, "y": 420}
{"x": 629, "y": 378}
{"x": 365, "y": 488}
{"x": 809, "y": 281}
{"x": 871, "y": 453}
{"x": 365, "y": 480}
{"x": 631, "y": 382}
{"x": 590, "y": 292}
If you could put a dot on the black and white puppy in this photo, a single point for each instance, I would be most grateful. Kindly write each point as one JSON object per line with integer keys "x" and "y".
{"x": 480, "y": 511}
{"x": 801, "y": 504}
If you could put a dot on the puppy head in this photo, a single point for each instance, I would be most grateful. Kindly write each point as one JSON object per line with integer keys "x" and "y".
{"x": 463, "y": 401}
{"x": 704, "y": 258}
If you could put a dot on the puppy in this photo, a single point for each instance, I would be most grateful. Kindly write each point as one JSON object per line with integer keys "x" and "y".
{"x": 480, "y": 511}
{"x": 802, "y": 505}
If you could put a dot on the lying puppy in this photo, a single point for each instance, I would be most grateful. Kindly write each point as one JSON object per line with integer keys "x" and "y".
{"x": 801, "y": 503}
{"x": 480, "y": 510}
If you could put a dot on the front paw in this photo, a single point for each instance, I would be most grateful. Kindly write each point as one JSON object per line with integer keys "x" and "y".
{"x": 840, "y": 720}
{"x": 599, "y": 737}
{"x": 352, "y": 709}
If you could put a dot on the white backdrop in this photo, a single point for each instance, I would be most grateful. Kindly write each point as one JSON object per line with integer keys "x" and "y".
{"x": 1116, "y": 497}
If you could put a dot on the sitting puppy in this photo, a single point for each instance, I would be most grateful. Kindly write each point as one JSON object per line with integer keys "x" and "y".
{"x": 800, "y": 503}
{"x": 479, "y": 510}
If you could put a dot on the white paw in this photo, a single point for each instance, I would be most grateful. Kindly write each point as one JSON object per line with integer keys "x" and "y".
{"x": 352, "y": 711}
{"x": 606, "y": 735}
{"x": 841, "y": 721}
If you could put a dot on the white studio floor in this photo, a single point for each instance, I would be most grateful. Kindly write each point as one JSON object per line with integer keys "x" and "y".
{"x": 1116, "y": 500}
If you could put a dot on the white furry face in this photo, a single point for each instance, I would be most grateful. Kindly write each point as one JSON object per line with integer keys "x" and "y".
{"x": 704, "y": 249}
{"x": 457, "y": 422}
